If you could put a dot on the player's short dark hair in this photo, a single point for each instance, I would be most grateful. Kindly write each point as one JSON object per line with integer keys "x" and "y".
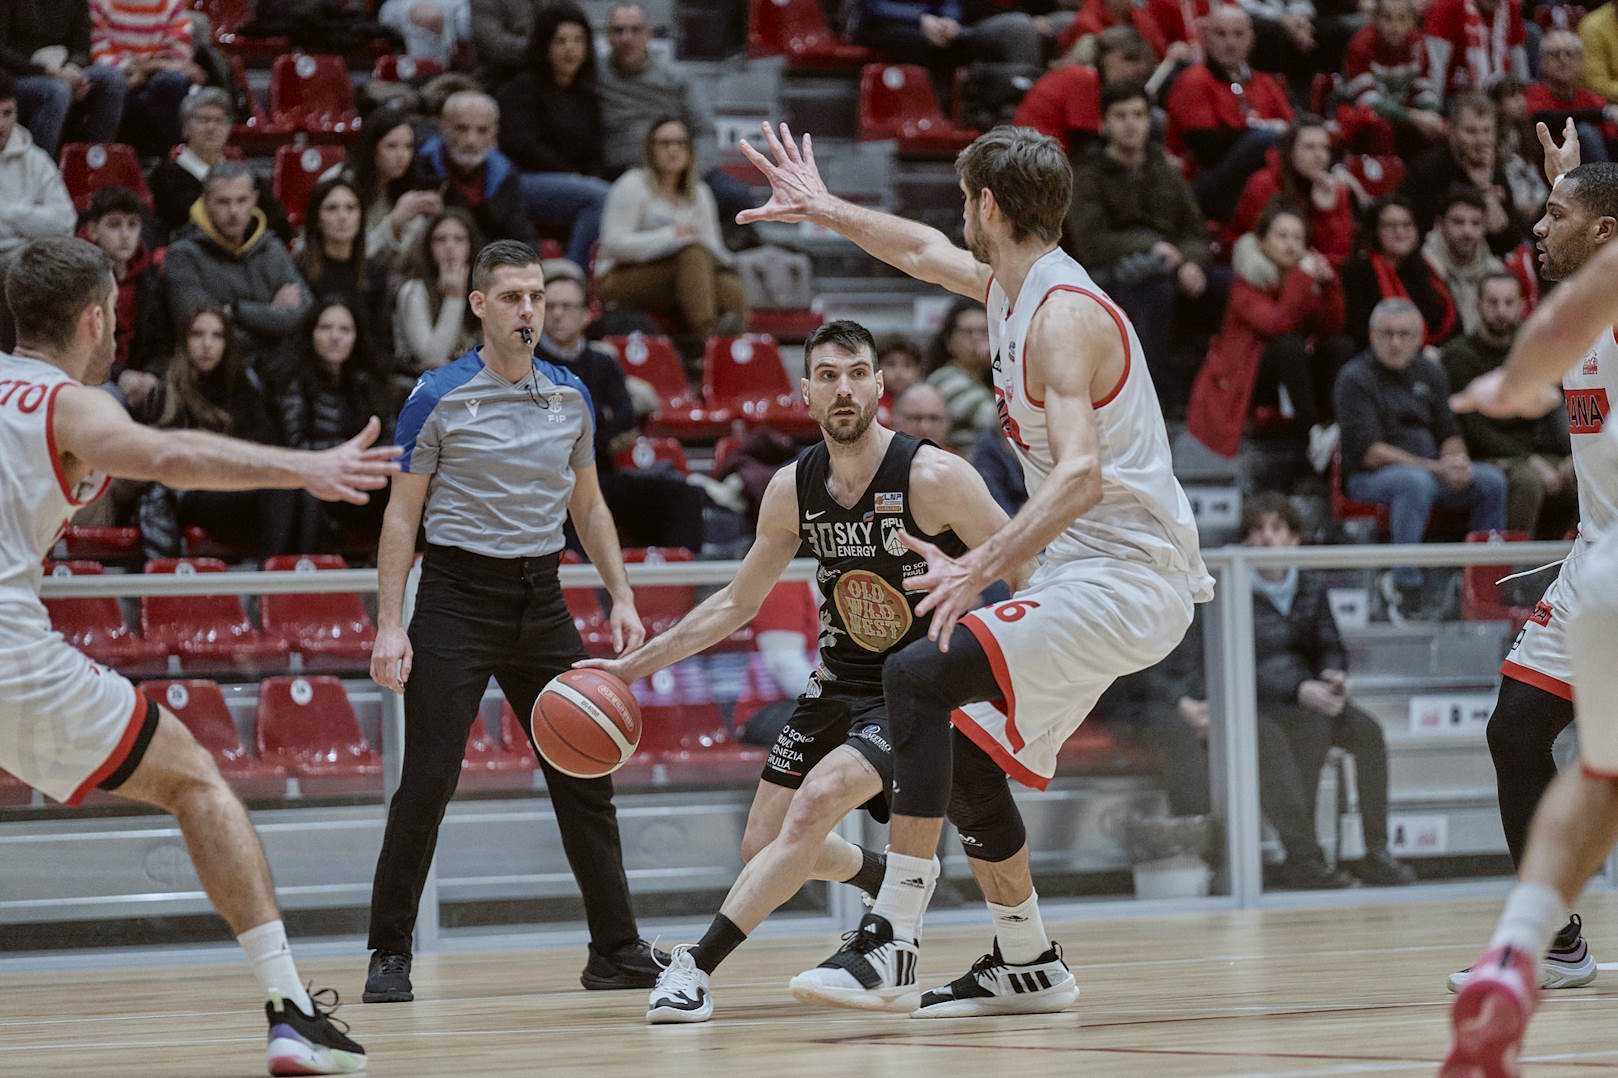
{"x": 1462, "y": 194}
{"x": 1029, "y": 175}
{"x": 851, "y": 337}
{"x": 1270, "y": 503}
{"x": 1595, "y": 187}
{"x": 1120, "y": 90}
{"x": 113, "y": 199}
{"x": 497, "y": 254}
{"x": 49, "y": 285}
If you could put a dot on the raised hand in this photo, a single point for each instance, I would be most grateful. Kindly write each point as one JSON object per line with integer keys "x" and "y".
{"x": 1563, "y": 158}
{"x": 345, "y": 472}
{"x": 795, "y": 183}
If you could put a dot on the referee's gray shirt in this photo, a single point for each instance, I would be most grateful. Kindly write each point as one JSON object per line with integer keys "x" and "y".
{"x": 501, "y": 455}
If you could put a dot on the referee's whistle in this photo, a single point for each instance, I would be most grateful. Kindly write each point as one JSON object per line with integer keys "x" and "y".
{"x": 527, "y": 335}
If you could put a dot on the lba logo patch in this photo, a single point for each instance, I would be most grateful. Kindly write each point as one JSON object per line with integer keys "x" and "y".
{"x": 890, "y": 502}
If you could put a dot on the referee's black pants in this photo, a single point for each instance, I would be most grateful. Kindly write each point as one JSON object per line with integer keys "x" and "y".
{"x": 478, "y": 617}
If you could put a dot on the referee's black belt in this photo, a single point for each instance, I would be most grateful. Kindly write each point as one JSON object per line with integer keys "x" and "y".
{"x": 538, "y": 570}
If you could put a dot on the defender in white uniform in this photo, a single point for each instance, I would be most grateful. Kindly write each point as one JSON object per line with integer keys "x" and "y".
{"x": 68, "y": 725}
{"x": 1537, "y": 687}
{"x": 1576, "y": 822}
{"x": 1121, "y": 569}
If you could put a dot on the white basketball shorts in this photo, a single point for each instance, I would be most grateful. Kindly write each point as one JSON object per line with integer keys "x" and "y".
{"x": 1592, "y": 643}
{"x": 1540, "y": 656}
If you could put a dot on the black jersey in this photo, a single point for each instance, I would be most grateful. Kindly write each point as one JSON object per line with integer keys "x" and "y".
{"x": 865, "y": 612}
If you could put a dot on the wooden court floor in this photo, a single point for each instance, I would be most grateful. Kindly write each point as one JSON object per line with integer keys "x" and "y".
{"x": 1330, "y": 992}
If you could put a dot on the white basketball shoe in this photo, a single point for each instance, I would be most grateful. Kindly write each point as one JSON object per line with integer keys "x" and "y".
{"x": 681, "y": 993}
{"x": 995, "y": 986}
{"x": 1568, "y": 962}
{"x": 871, "y": 971}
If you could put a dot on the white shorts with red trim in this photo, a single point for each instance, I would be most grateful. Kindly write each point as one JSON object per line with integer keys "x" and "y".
{"x": 1056, "y": 646}
{"x": 1592, "y": 640}
{"x": 66, "y": 723}
{"x": 1540, "y": 656}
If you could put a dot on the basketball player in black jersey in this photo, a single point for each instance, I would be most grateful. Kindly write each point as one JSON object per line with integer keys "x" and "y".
{"x": 846, "y": 499}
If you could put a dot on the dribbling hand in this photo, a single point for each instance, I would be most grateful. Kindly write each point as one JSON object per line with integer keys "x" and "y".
{"x": 345, "y": 472}
{"x": 390, "y": 659}
{"x": 952, "y": 589}
{"x": 627, "y": 631}
{"x": 1489, "y": 395}
{"x": 795, "y": 183}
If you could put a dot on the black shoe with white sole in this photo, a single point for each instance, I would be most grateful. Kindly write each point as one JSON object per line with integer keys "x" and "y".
{"x": 995, "y": 986}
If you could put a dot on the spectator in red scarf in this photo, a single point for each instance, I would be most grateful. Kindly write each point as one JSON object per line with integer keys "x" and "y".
{"x": 1299, "y": 170}
{"x": 1391, "y": 267}
{"x": 1473, "y": 42}
{"x": 1388, "y": 100}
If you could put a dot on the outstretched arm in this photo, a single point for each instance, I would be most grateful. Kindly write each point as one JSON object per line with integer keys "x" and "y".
{"x": 733, "y": 605}
{"x": 94, "y": 434}
{"x": 797, "y": 193}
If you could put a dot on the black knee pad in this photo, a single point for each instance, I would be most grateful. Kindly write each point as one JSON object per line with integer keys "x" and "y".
{"x": 981, "y": 806}
{"x": 1526, "y": 720}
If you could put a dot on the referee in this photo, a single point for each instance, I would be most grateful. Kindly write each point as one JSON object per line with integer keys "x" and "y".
{"x": 498, "y": 450}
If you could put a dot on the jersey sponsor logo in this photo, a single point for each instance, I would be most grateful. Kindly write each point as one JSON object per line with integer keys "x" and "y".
{"x": 824, "y": 575}
{"x": 1586, "y": 410}
{"x": 890, "y": 537}
{"x": 1592, "y": 362}
{"x": 915, "y": 568}
{"x": 890, "y": 502}
{"x": 1542, "y": 614}
{"x": 873, "y": 734}
{"x": 1008, "y": 423}
{"x": 815, "y": 515}
{"x": 472, "y": 407}
{"x": 848, "y": 540}
{"x": 874, "y": 611}
{"x": 26, "y": 397}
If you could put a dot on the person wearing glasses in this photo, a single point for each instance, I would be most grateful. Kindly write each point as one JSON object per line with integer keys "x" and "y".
{"x": 499, "y": 450}
{"x": 661, "y": 249}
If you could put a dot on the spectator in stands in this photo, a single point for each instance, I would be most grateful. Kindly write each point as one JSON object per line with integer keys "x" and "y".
{"x": 1225, "y": 115}
{"x": 208, "y": 386}
{"x": 1391, "y": 266}
{"x": 661, "y": 248}
{"x": 1471, "y": 156}
{"x": 500, "y": 32}
{"x": 329, "y": 398}
{"x": 1064, "y": 104}
{"x": 1518, "y": 150}
{"x": 45, "y": 46}
{"x": 653, "y": 506}
{"x": 1304, "y": 710}
{"x": 432, "y": 320}
{"x": 473, "y": 173}
{"x": 394, "y": 189}
{"x": 1562, "y": 94}
{"x": 229, "y": 258}
{"x": 1135, "y": 226}
{"x": 1095, "y": 17}
{"x": 1599, "y": 32}
{"x": 1474, "y": 42}
{"x": 1388, "y": 85}
{"x": 145, "y": 335}
{"x": 922, "y": 411}
{"x": 331, "y": 257}
{"x": 1456, "y": 252}
{"x": 1299, "y": 171}
{"x": 1284, "y": 40}
{"x": 1281, "y": 329}
{"x": 560, "y": 156}
{"x": 900, "y": 363}
{"x": 205, "y": 119}
{"x": 958, "y": 367}
{"x": 995, "y": 461}
{"x": 1403, "y": 448}
{"x": 635, "y": 89}
{"x": 34, "y": 202}
{"x": 937, "y": 35}
{"x": 149, "y": 43}
{"x": 432, "y": 29}
{"x": 1541, "y": 491}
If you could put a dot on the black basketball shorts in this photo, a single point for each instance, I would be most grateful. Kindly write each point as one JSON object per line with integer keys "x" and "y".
{"x": 830, "y": 714}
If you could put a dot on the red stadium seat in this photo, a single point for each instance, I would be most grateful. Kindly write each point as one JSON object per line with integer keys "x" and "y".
{"x": 1345, "y": 508}
{"x": 87, "y": 167}
{"x": 227, "y": 17}
{"x": 308, "y": 726}
{"x": 723, "y": 450}
{"x": 797, "y": 30}
{"x": 97, "y": 627}
{"x": 897, "y": 102}
{"x": 784, "y": 325}
{"x": 745, "y": 376}
{"x": 1092, "y": 749}
{"x": 758, "y": 689}
{"x": 588, "y": 616}
{"x": 684, "y": 731}
{"x": 330, "y": 630}
{"x": 648, "y": 451}
{"x": 1377, "y": 175}
{"x": 1481, "y": 598}
{"x": 313, "y": 94}
{"x": 195, "y": 542}
{"x": 99, "y": 544}
{"x": 496, "y": 760}
{"x": 297, "y": 170}
{"x": 661, "y": 605}
{"x": 209, "y": 632}
{"x": 254, "y": 131}
{"x": 681, "y": 414}
{"x": 200, "y": 705}
{"x": 393, "y": 68}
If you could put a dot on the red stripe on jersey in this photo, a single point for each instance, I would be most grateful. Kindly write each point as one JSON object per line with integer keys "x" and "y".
{"x": 1002, "y": 676}
{"x": 1123, "y": 332}
{"x": 1542, "y": 682}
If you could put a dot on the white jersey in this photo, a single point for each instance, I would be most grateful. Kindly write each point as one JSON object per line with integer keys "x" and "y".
{"x": 1589, "y": 388}
{"x": 1143, "y": 515}
{"x": 35, "y": 500}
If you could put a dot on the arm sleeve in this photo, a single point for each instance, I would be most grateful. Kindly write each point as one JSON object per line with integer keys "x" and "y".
{"x": 495, "y": 44}
{"x": 524, "y": 142}
{"x": 182, "y": 274}
{"x": 1447, "y": 426}
{"x": 615, "y": 411}
{"x": 50, "y": 210}
{"x": 1357, "y": 418}
{"x": 622, "y": 238}
{"x": 1284, "y": 313}
{"x": 1600, "y": 68}
{"x": 584, "y": 447}
{"x": 418, "y": 431}
{"x": 429, "y": 339}
{"x": 259, "y": 316}
{"x": 101, "y": 47}
{"x": 295, "y": 418}
{"x": 1189, "y": 230}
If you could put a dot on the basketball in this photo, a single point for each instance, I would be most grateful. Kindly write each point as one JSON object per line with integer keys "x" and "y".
{"x": 586, "y": 723}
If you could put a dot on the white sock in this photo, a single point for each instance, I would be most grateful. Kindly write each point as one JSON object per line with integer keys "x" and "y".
{"x": 267, "y": 950}
{"x": 903, "y": 896}
{"x": 1532, "y": 916}
{"x": 1020, "y": 930}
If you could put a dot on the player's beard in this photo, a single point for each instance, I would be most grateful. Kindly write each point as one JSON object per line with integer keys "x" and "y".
{"x": 975, "y": 243}
{"x": 857, "y": 431}
{"x": 1562, "y": 263}
{"x": 101, "y": 360}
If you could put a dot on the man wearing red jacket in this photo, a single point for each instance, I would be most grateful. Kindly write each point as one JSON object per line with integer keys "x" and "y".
{"x": 1562, "y": 94}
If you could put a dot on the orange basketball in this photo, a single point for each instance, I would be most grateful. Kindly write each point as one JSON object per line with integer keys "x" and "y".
{"x": 586, "y": 723}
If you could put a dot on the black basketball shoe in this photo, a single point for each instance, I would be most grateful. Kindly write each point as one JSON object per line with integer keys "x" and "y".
{"x": 995, "y": 986}
{"x": 634, "y": 966}
{"x": 388, "y": 979}
{"x": 310, "y": 1043}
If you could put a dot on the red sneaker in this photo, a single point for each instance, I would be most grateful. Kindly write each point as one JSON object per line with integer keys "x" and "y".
{"x": 1491, "y": 1014}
